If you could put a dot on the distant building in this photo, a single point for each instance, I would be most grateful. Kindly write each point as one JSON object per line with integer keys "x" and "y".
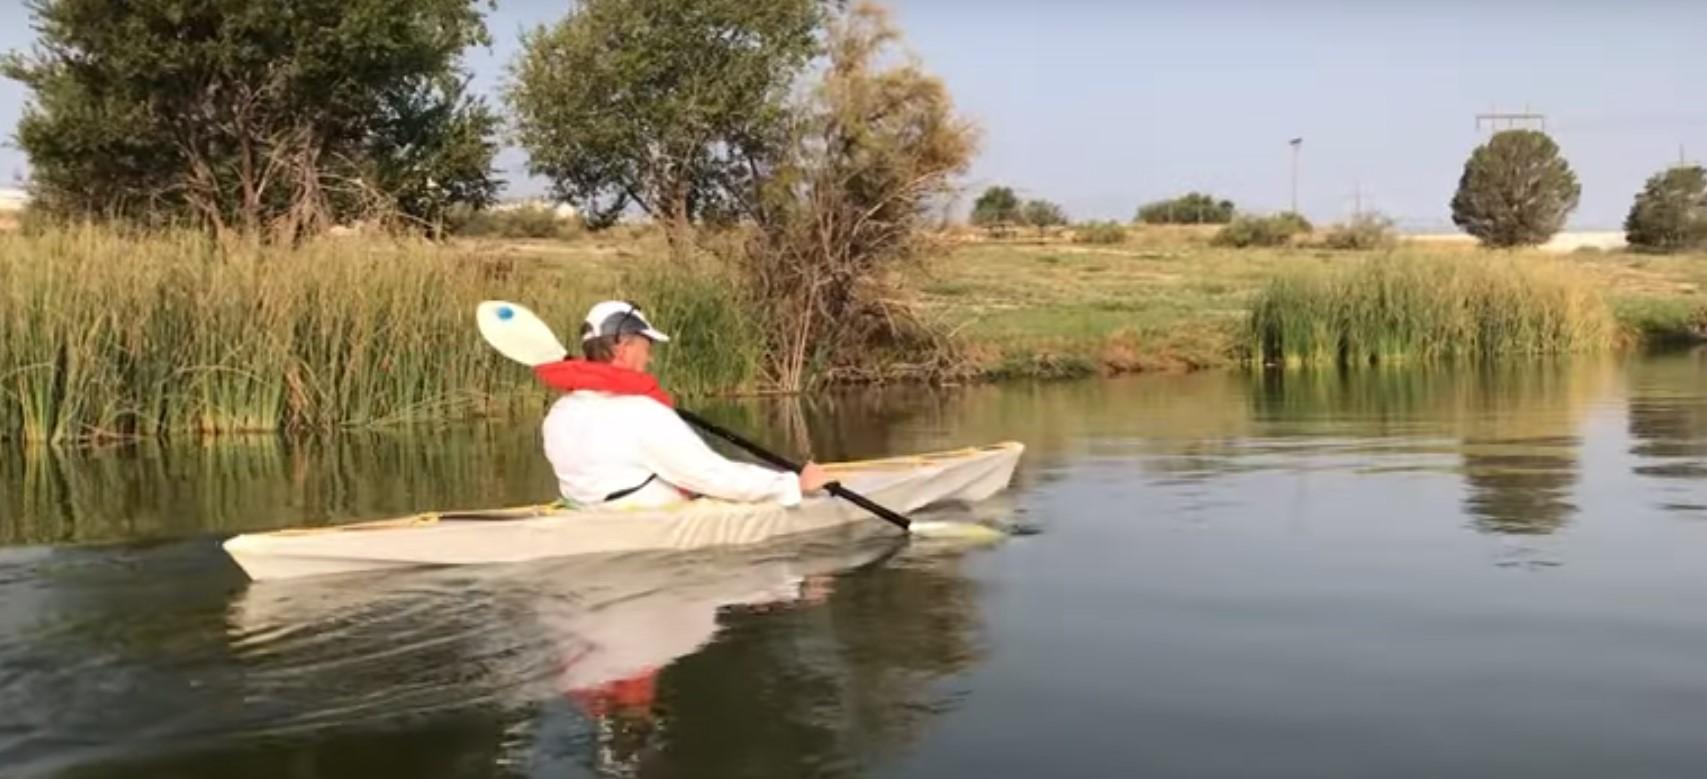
{"x": 13, "y": 200}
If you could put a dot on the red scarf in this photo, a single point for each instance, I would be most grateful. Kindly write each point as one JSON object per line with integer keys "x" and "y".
{"x": 572, "y": 375}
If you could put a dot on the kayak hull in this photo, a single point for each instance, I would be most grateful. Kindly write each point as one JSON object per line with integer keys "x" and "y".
{"x": 905, "y": 484}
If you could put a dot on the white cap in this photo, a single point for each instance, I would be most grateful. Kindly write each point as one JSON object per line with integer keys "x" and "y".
{"x": 612, "y": 317}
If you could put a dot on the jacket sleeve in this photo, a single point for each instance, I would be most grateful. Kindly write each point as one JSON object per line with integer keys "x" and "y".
{"x": 679, "y": 456}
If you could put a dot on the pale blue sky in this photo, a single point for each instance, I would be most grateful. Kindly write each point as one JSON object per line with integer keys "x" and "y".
{"x": 1102, "y": 105}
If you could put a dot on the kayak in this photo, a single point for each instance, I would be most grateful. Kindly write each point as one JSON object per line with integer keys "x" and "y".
{"x": 905, "y": 484}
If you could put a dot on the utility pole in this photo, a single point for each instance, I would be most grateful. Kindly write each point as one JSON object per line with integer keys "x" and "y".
{"x": 1296, "y": 144}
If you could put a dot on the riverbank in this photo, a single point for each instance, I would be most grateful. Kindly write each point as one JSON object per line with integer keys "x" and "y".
{"x": 109, "y": 335}
{"x": 1168, "y": 300}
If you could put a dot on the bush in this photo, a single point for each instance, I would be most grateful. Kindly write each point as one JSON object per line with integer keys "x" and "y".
{"x": 1362, "y": 233}
{"x": 1042, "y": 215}
{"x": 1188, "y": 209}
{"x": 527, "y": 221}
{"x": 1248, "y": 231}
{"x": 1099, "y": 233}
{"x": 1670, "y": 213}
{"x": 1516, "y": 190}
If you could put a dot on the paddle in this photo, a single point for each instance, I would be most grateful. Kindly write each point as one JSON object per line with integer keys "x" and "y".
{"x": 519, "y": 335}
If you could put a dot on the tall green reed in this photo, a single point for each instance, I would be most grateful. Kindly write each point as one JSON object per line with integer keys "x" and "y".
{"x": 1400, "y": 308}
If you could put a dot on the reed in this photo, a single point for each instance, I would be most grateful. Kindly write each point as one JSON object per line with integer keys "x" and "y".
{"x": 1401, "y": 308}
{"x": 113, "y": 335}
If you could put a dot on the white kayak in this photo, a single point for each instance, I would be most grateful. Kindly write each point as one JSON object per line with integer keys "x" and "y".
{"x": 904, "y": 484}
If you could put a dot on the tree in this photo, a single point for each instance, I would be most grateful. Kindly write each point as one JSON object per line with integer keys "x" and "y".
{"x": 1190, "y": 209}
{"x": 998, "y": 206}
{"x": 1670, "y": 213}
{"x": 279, "y": 115}
{"x": 1516, "y": 190}
{"x": 667, "y": 106}
{"x": 872, "y": 149}
{"x": 1042, "y": 215}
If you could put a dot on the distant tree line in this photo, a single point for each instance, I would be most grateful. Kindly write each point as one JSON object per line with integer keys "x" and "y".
{"x": 1516, "y": 190}
{"x": 223, "y": 114}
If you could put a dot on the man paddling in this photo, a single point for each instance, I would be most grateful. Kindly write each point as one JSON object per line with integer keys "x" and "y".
{"x": 614, "y": 441}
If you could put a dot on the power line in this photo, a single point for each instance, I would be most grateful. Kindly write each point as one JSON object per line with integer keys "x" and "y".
{"x": 1512, "y": 120}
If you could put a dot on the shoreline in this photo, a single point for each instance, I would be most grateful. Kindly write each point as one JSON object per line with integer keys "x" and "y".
{"x": 122, "y": 337}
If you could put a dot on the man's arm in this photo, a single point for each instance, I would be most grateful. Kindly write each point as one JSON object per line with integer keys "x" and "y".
{"x": 673, "y": 451}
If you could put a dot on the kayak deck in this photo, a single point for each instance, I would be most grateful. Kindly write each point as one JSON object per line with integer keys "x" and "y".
{"x": 906, "y": 484}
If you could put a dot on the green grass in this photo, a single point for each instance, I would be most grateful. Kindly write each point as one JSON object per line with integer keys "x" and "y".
{"x": 1661, "y": 321}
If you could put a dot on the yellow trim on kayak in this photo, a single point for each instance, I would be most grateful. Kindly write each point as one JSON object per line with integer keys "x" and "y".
{"x": 431, "y": 518}
{"x": 913, "y": 460}
{"x": 424, "y": 519}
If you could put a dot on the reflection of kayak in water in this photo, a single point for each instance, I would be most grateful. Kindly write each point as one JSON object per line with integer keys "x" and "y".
{"x": 593, "y": 630}
{"x": 610, "y": 655}
{"x": 905, "y": 484}
{"x": 612, "y": 660}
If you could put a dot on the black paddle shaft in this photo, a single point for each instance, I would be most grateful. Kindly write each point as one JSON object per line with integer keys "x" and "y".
{"x": 835, "y": 488}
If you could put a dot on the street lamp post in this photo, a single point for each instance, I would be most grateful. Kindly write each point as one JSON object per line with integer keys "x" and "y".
{"x": 1296, "y": 144}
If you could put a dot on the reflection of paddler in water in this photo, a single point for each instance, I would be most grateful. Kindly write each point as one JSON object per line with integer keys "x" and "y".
{"x": 610, "y": 656}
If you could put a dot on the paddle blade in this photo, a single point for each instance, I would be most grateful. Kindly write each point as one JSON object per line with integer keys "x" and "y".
{"x": 517, "y": 334}
{"x": 962, "y": 532}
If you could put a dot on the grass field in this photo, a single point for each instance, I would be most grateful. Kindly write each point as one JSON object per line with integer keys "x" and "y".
{"x": 1168, "y": 300}
{"x": 1163, "y": 300}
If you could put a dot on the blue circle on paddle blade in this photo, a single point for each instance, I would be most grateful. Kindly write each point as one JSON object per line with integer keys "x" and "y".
{"x": 505, "y": 312}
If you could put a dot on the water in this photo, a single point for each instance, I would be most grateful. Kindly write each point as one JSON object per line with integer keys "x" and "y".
{"x": 1402, "y": 573}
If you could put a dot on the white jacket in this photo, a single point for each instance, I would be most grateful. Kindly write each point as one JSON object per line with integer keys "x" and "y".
{"x": 599, "y": 443}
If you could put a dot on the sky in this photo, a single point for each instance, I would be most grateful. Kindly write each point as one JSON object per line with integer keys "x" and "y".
{"x": 1102, "y": 105}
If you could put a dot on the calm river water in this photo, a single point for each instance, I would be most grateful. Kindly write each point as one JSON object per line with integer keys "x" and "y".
{"x": 1399, "y": 573}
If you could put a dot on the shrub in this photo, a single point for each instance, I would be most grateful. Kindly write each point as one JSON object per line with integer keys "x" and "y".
{"x": 528, "y": 221}
{"x": 1248, "y": 231}
{"x": 1099, "y": 233}
{"x": 1362, "y": 233}
{"x": 1042, "y": 215}
{"x": 1516, "y": 190}
{"x": 1190, "y": 208}
{"x": 1670, "y": 213}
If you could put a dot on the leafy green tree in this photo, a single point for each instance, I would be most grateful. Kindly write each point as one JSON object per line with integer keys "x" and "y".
{"x": 1516, "y": 190}
{"x": 1190, "y": 209}
{"x": 268, "y": 115}
{"x": 996, "y": 207}
{"x": 1042, "y": 215}
{"x": 671, "y": 107}
{"x": 1670, "y": 213}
